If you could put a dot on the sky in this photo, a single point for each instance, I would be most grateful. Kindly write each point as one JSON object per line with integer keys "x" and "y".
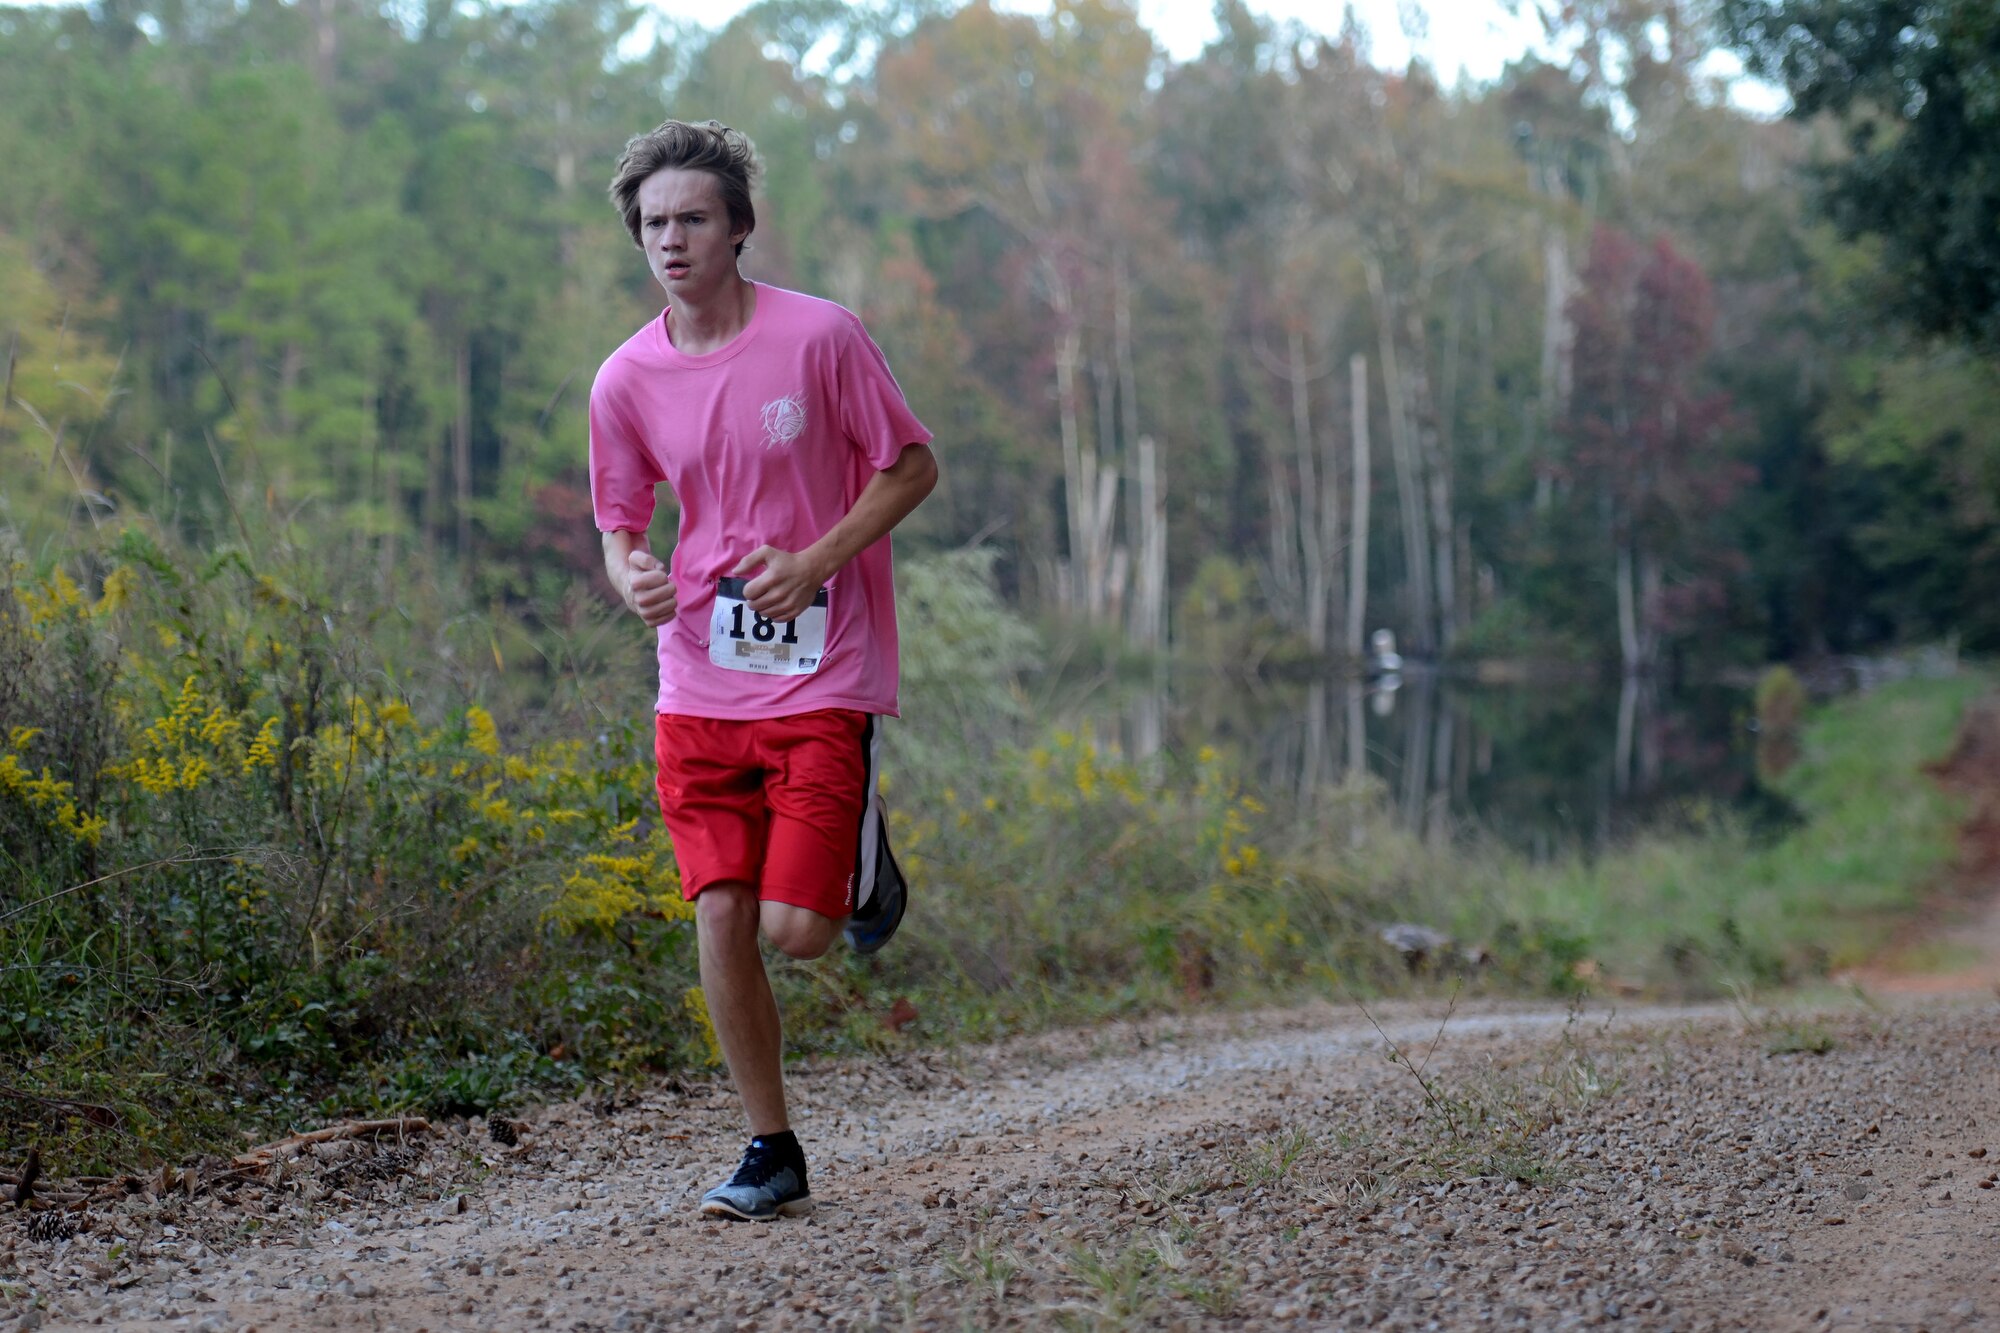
{"x": 1473, "y": 38}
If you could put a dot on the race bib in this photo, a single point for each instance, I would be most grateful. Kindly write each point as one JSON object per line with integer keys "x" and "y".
{"x": 739, "y": 639}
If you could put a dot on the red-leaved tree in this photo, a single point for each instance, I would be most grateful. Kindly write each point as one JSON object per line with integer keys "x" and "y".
{"x": 1647, "y": 439}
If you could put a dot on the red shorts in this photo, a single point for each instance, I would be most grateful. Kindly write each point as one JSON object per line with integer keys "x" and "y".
{"x": 778, "y": 803}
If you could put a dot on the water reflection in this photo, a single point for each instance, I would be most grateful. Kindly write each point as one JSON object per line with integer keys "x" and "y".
{"x": 1543, "y": 766}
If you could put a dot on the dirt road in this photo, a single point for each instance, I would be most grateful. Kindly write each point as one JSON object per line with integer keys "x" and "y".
{"x": 1652, "y": 1168}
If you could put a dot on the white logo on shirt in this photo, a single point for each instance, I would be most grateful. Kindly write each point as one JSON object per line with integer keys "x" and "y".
{"x": 784, "y": 419}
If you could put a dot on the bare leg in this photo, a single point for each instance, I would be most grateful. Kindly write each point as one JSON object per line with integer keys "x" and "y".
{"x": 740, "y": 1003}
{"x": 800, "y": 931}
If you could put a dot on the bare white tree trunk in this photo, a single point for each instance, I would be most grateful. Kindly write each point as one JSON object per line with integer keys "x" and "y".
{"x": 432, "y": 502}
{"x": 1650, "y": 591}
{"x": 1287, "y": 590}
{"x": 1646, "y": 735}
{"x": 1149, "y": 597}
{"x": 1103, "y": 569}
{"x": 1443, "y": 527}
{"x": 1090, "y": 481}
{"x": 1106, "y": 567}
{"x": 1403, "y": 451}
{"x": 1558, "y": 341}
{"x": 1621, "y": 755}
{"x": 461, "y": 447}
{"x": 1312, "y": 542}
{"x": 1360, "y": 484}
{"x": 1138, "y": 511}
{"x": 1434, "y": 458}
{"x": 1357, "y": 730}
{"x": 1332, "y": 549}
{"x": 1149, "y": 725}
{"x": 1628, "y": 611}
{"x": 1078, "y": 492}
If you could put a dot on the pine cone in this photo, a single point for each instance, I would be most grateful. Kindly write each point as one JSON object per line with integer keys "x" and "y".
{"x": 53, "y": 1225}
{"x": 387, "y": 1165}
{"x": 505, "y": 1132}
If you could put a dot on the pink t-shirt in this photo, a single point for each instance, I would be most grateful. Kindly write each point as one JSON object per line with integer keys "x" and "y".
{"x": 767, "y": 441}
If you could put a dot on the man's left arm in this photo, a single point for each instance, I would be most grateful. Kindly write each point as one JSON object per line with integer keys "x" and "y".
{"x": 790, "y": 579}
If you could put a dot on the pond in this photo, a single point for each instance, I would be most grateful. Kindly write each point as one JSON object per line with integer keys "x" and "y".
{"x": 1544, "y": 766}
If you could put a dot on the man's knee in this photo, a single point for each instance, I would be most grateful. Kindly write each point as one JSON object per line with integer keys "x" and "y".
{"x": 798, "y": 933}
{"x": 727, "y": 910}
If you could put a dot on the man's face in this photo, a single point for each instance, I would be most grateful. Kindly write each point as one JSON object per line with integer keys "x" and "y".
{"x": 686, "y": 232}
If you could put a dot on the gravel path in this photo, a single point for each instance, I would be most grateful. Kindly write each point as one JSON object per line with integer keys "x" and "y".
{"x": 1652, "y": 1168}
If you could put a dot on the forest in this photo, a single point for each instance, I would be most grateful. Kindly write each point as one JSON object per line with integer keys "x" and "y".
{"x": 1268, "y": 347}
{"x": 324, "y": 779}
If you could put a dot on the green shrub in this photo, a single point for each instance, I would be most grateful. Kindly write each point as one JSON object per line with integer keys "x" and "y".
{"x": 223, "y": 813}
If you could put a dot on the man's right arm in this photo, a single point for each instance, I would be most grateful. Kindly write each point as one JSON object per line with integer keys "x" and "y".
{"x": 638, "y": 577}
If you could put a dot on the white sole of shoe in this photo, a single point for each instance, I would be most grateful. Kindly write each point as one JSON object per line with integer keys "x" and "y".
{"x": 795, "y": 1208}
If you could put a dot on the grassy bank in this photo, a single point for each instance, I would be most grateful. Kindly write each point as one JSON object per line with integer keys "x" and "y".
{"x": 1716, "y": 904}
{"x": 270, "y": 856}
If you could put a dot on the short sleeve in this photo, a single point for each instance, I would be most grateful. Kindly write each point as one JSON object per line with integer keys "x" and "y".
{"x": 873, "y": 412}
{"x": 623, "y": 471}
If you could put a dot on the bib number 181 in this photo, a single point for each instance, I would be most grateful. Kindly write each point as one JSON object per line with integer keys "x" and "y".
{"x": 762, "y": 628}
{"x": 743, "y": 639}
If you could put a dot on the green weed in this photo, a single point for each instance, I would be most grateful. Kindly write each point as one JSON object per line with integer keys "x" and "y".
{"x": 1778, "y": 1031}
{"x": 1269, "y": 1161}
{"x": 984, "y": 1265}
{"x": 1798, "y": 1039}
{"x": 1124, "y": 1285}
{"x": 1215, "y": 1294}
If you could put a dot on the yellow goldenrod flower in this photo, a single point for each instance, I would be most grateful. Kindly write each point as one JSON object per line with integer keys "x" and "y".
{"x": 219, "y": 728}
{"x": 52, "y": 797}
{"x": 118, "y": 586}
{"x": 482, "y": 735}
{"x": 696, "y": 1005}
{"x": 263, "y": 751}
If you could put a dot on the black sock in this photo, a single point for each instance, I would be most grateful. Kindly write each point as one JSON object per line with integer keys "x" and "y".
{"x": 782, "y": 1145}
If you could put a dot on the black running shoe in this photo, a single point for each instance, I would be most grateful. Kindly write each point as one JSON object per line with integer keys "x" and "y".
{"x": 768, "y": 1184}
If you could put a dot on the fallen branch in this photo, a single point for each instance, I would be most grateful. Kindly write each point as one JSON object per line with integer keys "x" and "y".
{"x": 347, "y": 1129}
{"x": 228, "y": 1176}
{"x": 102, "y": 1116}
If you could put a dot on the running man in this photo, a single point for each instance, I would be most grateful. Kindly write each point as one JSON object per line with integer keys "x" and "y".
{"x": 792, "y": 453}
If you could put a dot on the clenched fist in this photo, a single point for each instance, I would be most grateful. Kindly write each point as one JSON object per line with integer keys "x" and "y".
{"x": 648, "y": 589}
{"x": 787, "y": 586}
